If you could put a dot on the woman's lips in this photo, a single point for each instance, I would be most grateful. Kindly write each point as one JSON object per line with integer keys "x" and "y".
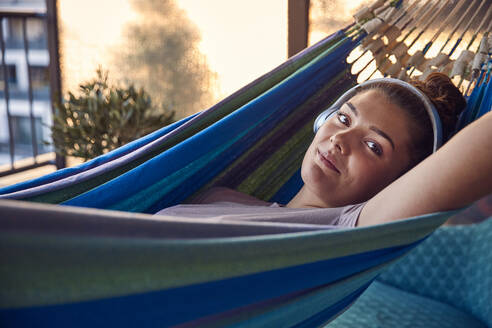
{"x": 327, "y": 161}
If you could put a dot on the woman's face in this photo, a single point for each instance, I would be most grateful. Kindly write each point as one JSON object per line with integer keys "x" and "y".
{"x": 357, "y": 152}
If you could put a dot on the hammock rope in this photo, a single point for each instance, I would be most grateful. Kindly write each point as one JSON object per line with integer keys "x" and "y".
{"x": 485, "y": 19}
{"x": 379, "y": 50}
{"x": 457, "y": 25}
{"x": 429, "y": 44}
{"x": 441, "y": 61}
{"x": 418, "y": 56}
{"x": 380, "y": 25}
{"x": 382, "y": 61}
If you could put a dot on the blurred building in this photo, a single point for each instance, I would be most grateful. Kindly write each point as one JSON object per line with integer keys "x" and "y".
{"x": 18, "y": 68}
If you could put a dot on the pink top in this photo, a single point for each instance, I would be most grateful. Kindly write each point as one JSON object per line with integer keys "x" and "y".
{"x": 224, "y": 203}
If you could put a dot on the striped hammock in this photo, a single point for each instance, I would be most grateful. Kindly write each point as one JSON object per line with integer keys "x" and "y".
{"x": 102, "y": 260}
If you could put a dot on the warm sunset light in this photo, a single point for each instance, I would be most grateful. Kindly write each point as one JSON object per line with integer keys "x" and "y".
{"x": 85, "y": 46}
{"x": 241, "y": 40}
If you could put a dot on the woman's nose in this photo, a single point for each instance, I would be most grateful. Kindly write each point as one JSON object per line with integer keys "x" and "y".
{"x": 340, "y": 141}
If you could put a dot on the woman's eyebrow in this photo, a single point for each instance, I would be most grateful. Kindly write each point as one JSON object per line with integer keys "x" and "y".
{"x": 373, "y": 128}
{"x": 384, "y": 135}
{"x": 352, "y": 107}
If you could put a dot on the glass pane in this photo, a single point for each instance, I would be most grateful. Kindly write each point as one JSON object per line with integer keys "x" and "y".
{"x": 37, "y": 33}
{"x": 329, "y": 16}
{"x": 39, "y": 77}
{"x": 22, "y": 130}
{"x": 187, "y": 54}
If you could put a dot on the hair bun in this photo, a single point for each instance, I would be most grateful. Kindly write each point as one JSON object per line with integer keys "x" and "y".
{"x": 445, "y": 96}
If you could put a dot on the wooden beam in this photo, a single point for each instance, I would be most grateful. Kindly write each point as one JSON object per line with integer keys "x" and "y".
{"x": 298, "y": 25}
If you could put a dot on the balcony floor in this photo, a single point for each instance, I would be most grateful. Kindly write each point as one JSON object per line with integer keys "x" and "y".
{"x": 34, "y": 173}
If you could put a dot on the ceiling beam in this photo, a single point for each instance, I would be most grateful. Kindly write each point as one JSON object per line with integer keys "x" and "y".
{"x": 298, "y": 26}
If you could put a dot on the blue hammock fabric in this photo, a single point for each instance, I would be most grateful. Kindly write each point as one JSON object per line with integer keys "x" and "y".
{"x": 102, "y": 260}
{"x": 480, "y": 100}
{"x": 81, "y": 267}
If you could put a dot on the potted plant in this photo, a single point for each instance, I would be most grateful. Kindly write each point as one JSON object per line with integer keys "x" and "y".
{"x": 103, "y": 117}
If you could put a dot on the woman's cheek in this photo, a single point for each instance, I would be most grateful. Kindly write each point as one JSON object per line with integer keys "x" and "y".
{"x": 364, "y": 171}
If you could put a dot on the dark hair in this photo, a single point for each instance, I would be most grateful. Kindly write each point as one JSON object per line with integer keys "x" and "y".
{"x": 444, "y": 95}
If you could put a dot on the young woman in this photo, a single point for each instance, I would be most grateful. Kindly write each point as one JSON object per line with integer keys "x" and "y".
{"x": 369, "y": 161}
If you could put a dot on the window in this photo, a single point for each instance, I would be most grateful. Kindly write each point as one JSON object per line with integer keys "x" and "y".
{"x": 37, "y": 33}
{"x": 35, "y": 30}
{"x": 21, "y": 129}
{"x": 11, "y": 76}
{"x": 14, "y": 33}
{"x": 39, "y": 77}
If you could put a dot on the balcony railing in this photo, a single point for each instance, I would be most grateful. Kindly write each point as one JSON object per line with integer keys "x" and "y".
{"x": 9, "y": 95}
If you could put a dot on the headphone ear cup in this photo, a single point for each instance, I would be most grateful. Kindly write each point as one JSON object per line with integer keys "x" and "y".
{"x": 322, "y": 118}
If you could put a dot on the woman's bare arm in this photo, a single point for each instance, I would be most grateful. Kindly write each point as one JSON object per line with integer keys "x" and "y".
{"x": 459, "y": 173}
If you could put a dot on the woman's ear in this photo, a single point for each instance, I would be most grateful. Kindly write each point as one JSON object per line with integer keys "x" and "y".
{"x": 323, "y": 117}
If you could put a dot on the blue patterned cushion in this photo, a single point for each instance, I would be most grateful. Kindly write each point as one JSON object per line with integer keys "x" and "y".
{"x": 454, "y": 266}
{"x": 446, "y": 281}
{"x": 383, "y": 306}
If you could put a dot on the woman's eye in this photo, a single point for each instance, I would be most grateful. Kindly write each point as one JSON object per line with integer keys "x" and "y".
{"x": 343, "y": 119}
{"x": 375, "y": 148}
